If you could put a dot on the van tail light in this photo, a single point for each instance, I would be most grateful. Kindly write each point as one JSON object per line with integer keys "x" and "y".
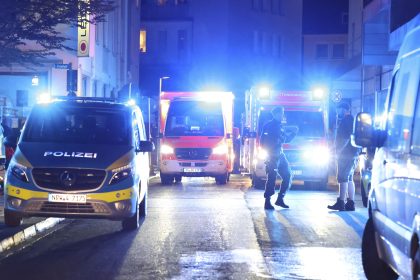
{"x": 9, "y": 152}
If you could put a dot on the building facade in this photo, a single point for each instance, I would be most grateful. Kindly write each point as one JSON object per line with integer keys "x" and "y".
{"x": 231, "y": 45}
{"x": 110, "y": 68}
{"x": 376, "y": 31}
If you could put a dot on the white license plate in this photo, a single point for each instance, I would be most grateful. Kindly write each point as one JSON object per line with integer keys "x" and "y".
{"x": 297, "y": 172}
{"x": 61, "y": 197}
{"x": 192, "y": 170}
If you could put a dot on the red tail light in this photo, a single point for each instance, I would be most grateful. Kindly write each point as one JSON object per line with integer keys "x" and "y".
{"x": 9, "y": 152}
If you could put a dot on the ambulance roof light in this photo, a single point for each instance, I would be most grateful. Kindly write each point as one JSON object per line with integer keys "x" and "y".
{"x": 264, "y": 92}
{"x": 319, "y": 93}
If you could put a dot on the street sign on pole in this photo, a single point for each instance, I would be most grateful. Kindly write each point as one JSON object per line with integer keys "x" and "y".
{"x": 62, "y": 66}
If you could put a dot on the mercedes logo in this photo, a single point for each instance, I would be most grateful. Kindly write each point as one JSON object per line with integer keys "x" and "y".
{"x": 68, "y": 179}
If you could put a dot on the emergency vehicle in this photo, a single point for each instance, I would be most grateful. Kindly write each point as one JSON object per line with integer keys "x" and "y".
{"x": 196, "y": 135}
{"x": 308, "y": 153}
{"x": 80, "y": 157}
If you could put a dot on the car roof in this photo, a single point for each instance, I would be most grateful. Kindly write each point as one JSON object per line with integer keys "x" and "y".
{"x": 89, "y": 102}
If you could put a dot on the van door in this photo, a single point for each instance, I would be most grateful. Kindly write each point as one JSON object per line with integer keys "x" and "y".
{"x": 394, "y": 156}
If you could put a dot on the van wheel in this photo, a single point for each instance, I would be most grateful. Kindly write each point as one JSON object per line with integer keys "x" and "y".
{"x": 373, "y": 266}
{"x": 12, "y": 219}
{"x": 258, "y": 183}
{"x": 222, "y": 179}
{"x": 178, "y": 179}
{"x": 364, "y": 194}
{"x": 166, "y": 179}
{"x": 133, "y": 222}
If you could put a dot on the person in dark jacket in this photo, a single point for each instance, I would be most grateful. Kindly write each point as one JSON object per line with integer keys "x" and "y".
{"x": 272, "y": 138}
{"x": 347, "y": 157}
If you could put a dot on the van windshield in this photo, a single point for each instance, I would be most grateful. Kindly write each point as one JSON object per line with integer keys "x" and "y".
{"x": 310, "y": 124}
{"x": 194, "y": 118}
{"x": 77, "y": 125}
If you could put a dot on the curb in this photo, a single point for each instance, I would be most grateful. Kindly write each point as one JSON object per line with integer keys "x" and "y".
{"x": 28, "y": 233}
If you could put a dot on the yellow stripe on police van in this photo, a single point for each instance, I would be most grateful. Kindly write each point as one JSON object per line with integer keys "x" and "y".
{"x": 105, "y": 197}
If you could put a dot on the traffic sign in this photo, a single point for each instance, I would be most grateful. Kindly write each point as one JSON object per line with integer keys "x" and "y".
{"x": 62, "y": 66}
{"x": 337, "y": 97}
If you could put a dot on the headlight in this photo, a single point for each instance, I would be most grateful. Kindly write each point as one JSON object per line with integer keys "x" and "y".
{"x": 221, "y": 149}
{"x": 166, "y": 150}
{"x": 19, "y": 171}
{"x": 120, "y": 174}
{"x": 320, "y": 155}
{"x": 262, "y": 154}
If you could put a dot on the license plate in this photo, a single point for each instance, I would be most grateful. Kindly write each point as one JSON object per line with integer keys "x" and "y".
{"x": 297, "y": 172}
{"x": 192, "y": 170}
{"x": 61, "y": 197}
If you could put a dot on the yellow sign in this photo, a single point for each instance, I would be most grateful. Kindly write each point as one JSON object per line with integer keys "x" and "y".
{"x": 83, "y": 35}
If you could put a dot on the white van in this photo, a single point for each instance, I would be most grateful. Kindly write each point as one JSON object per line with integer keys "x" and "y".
{"x": 390, "y": 245}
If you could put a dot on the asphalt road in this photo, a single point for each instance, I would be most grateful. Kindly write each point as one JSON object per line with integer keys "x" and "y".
{"x": 199, "y": 230}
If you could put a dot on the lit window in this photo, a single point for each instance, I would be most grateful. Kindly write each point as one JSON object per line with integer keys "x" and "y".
{"x": 143, "y": 41}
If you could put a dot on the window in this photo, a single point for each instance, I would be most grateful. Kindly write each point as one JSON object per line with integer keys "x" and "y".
{"x": 321, "y": 51}
{"x": 182, "y": 40}
{"x": 266, "y": 5}
{"x": 95, "y": 88}
{"x": 180, "y": 2}
{"x": 162, "y": 40}
{"x": 97, "y": 32}
{"x": 265, "y": 39}
{"x": 143, "y": 41}
{"x": 344, "y": 18}
{"x": 277, "y": 45}
{"x": 105, "y": 26}
{"x": 257, "y": 5}
{"x": 76, "y": 125}
{"x": 277, "y": 7}
{"x": 415, "y": 146}
{"x": 338, "y": 51}
{"x": 256, "y": 42}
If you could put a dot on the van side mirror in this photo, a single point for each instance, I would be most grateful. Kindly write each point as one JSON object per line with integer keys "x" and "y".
{"x": 146, "y": 146}
{"x": 363, "y": 131}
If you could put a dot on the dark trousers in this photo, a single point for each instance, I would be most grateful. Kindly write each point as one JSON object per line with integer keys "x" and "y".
{"x": 277, "y": 165}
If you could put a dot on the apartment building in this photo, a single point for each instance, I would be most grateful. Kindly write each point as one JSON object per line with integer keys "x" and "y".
{"x": 220, "y": 44}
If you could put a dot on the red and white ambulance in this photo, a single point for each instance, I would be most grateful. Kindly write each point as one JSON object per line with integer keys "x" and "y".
{"x": 308, "y": 153}
{"x": 196, "y": 137}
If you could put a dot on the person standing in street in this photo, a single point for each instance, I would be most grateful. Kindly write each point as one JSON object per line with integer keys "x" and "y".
{"x": 347, "y": 157}
{"x": 272, "y": 138}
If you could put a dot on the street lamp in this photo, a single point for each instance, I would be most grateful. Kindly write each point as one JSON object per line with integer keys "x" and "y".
{"x": 158, "y": 124}
{"x": 160, "y": 83}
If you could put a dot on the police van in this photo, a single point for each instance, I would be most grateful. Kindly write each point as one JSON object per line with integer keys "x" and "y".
{"x": 391, "y": 239}
{"x": 80, "y": 158}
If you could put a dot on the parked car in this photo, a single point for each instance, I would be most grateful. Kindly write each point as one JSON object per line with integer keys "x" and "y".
{"x": 391, "y": 239}
{"x": 80, "y": 158}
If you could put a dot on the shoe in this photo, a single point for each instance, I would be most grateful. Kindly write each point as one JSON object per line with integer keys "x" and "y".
{"x": 267, "y": 204}
{"x": 280, "y": 202}
{"x": 339, "y": 205}
{"x": 350, "y": 205}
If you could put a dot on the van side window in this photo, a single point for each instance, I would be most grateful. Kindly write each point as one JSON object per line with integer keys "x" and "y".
{"x": 401, "y": 109}
{"x": 415, "y": 145}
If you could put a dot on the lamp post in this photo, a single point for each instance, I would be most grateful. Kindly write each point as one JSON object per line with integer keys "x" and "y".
{"x": 158, "y": 124}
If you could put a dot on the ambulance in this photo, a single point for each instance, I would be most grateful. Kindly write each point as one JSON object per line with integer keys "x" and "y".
{"x": 308, "y": 153}
{"x": 196, "y": 136}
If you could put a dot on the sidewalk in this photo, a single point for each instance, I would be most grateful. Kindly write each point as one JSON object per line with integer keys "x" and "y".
{"x": 13, "y": 236}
